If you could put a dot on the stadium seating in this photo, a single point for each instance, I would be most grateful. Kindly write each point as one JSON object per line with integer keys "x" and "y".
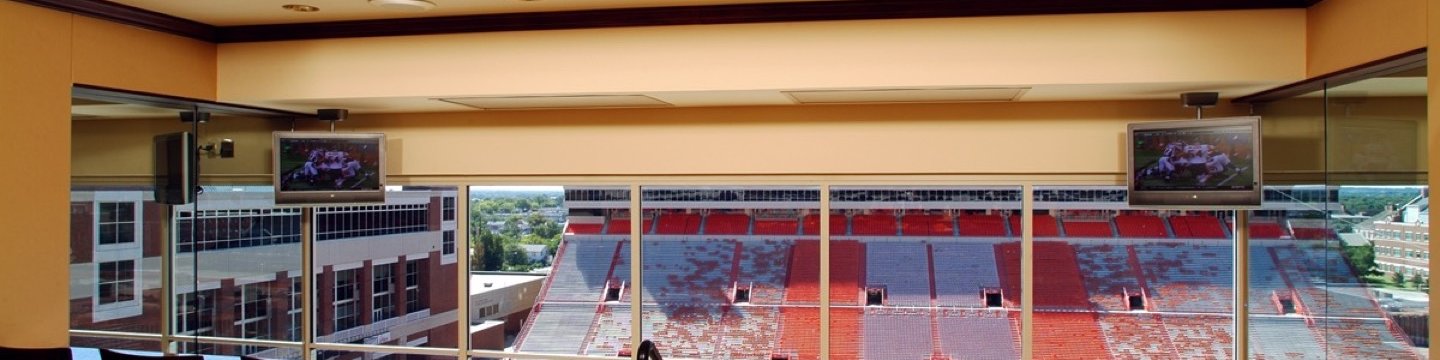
{"x": 1301, "y": 233}
{"x": 811, "y": 224}
{"x": 1310, "y": 229}
{"x": 1140, "y": 226}
{"x": 903, "y": 268}
{"x": 1201, "y": 336}
{"x": 1266, "y": 230}
{"x": 1190, "y": 278}
{"x": 927, "y": 225}
{"x": 622, "y": 226}
{"x": 610, "y": 332}
{"x": 1068, "y": 335}
{"x": 678, "y": 224}
{"x": 764, "y": 264}
{"x": 847, "y": 329}
{"x": 962, "y": 270}
{"x": 1045, "y": 226}
{"x": 1265, "y": 281}
{"x": 798, "y": 338}
{"x": 777, "y": 226}
{"x": 1108, "y": 274}
{"x": 699, "y": 332}
{"x": 1087, "y": 228}
{"x": 978, "y": 334}
{"x": 564, "y": 328}
{"x": 581, "y": 269}
{"x": 803, "y": 283}
{"x": 1347, "y": 338}
{"x": 584, "y": 229}
{"x": 727, "y": 224}
{"x": 1197, "y": 227}
{"x": 1283, "y": 338}
{"x": 1137, "y": 336}
{"x": 892, "y": 333}
{"x": 981, "y": 225}
{"x": 688, "y": 272}
{"x": 874, "y": 224}
{"x": 1058, "y": 283}
{"x": 847, "y": 272}
{"x": 1080, "y": 312}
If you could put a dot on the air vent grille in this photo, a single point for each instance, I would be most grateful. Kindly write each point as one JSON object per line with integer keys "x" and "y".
{"x": 907, "y": 95}
{"x": 558, "y": 102}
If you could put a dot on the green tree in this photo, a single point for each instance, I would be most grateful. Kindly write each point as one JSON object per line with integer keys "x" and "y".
{"x": 1363, "y": 258}
{"x": 512, "y": 226}
{"x": 490, "y": 252}
{"x": 515, "y": 258}
{"x": 1398, "y": 278}
{"x": 543, "y": 226}
{"x": 1418, "y": 281}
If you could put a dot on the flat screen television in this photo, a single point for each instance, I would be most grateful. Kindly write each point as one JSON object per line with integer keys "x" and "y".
{"x": 329, "y": 168}
{"x": 1211, "y": 163}
{"x": 175, "y": 173}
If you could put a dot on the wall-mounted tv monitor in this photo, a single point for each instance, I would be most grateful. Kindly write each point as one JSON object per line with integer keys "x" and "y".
{"x": 175, "y": 173}
{"x": 1195, "y": 163}
{"x": 329, "y": 168}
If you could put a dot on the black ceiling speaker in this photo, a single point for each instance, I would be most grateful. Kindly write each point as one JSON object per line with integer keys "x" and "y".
{"x": 1200, "y": 99}
{"x": 332, "y": 114}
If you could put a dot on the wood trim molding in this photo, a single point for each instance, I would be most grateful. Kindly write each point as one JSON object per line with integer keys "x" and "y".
{"x": 654, "y": 16}
{"x": 1408, "y": 60}
{"x": 129, "y": 15}
{"x": 722, "y": 14}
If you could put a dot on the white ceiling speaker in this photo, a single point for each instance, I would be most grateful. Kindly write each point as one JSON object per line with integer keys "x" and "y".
{"x": 404, "y": 5}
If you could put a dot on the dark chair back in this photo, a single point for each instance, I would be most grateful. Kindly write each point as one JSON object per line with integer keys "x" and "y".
{"x": 107, "y": 354}
{"x": 37, "y": 354}
{"x": 648, "y": 351}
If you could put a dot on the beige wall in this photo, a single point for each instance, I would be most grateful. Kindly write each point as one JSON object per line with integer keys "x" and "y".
{"x": 110, "y": 54}
{"x": 994, "y": 138}
{"x": 1137, "y": 48}
{"x": 42, "y": 52}
{"x": 1345, "y": 33}
{"x": 1370, "y": 136}
{"x": 1433, "y": 23}
{"x": 120, "y": 151}
{"x": 34, "y": 106}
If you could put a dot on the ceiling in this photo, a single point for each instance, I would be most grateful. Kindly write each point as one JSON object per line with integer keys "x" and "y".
{"x": 261, "y": 12}
{"x": 261, "y": 20}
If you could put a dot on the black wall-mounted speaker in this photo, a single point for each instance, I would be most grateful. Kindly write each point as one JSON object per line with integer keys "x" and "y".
{"x": 194, "y": 116}
{"x": 332, "y": 114}
{"x": 176, "y": 176}
{"x": 1194, "y": 99}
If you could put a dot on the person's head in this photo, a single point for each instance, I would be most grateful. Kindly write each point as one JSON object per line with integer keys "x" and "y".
{"x": 648, "y": 351}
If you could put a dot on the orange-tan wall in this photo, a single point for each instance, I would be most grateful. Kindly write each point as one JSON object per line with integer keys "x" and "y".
{"x": 1433, "y": 115}
{"x": 34, "y": 106}
{"x": 1032, "y": 138}
{"x": 42, "y": 52}
{"x": 1345, "y": 33}
{"x": 1137, "y": 48}
{"x": 996, "y": 138}
{"x": 120, "y": 151}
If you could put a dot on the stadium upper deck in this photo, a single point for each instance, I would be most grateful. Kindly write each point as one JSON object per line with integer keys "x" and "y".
{"x": 934, "y": 273}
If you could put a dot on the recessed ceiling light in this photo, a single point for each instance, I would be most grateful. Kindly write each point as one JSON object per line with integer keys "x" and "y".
{"x": 300, "y": 8}
{"x": 404, "y": 5}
